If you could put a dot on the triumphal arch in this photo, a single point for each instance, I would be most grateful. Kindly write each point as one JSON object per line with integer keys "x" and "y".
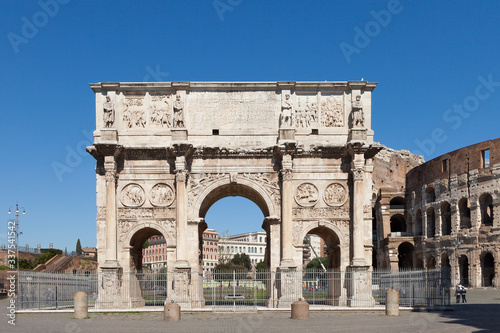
{"x": 302, "y": 151}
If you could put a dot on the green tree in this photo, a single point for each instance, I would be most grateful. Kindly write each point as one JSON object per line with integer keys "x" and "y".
{"x": 78, "y": 247}
{"x": 242, "y": 259}
{"x": 314, "y": 264}
{"x": 65, "y": 251}
{"x": 260, "y": 266}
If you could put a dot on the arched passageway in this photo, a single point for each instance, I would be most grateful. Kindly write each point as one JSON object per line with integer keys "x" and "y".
{"x": 138, "y": 242}
{"x": 487, "y": 269}
{"x": 398, "y": 223}
{"x": 446, "y": 218}
{"x": 431, "y": 263}
{"x": 431, "y": 222}
{"x": 464, "y": 210}
{"x": 486, "y": 205}
{"x": 463, "y": 268}
{"x": 329, "y": 282}
{"x": 419, "y": 227}
{"x": 406, "y": 251}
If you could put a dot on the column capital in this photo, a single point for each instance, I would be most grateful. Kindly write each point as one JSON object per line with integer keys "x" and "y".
{"x": 287, "y": 174}
{"x": 181, "y": 175}
{"x": 110, "y": 176}
{"x": 358, "y": 173}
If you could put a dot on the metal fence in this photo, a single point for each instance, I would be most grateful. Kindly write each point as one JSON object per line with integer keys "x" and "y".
{"x": 232, "y": 291}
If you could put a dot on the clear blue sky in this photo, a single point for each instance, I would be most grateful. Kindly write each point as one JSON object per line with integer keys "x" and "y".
{"x": 427, "y": 57}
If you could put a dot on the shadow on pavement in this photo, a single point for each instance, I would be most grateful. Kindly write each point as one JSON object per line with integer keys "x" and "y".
{"x": 484, "y": 317}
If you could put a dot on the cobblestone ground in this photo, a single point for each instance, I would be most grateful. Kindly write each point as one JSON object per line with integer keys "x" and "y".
{"x": 480, "y": 314}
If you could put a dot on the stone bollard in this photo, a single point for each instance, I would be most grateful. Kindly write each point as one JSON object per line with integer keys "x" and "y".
{"x": 300, "y": 310}
{"x": 392, "y": 302}
{"x": 81, "y": 306}
{"x": 172, "y": 312}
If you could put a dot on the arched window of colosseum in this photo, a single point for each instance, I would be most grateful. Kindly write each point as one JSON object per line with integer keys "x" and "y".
{"x": 397, "y": 203}
{"x": 431, "y": 263}
{"x": 464, "y": 210}
{"x": 418, "y": 229}
{"x": 430, "y": 195}
{"x": 398, "y": 223}
{"x": 486, "y": 204}
{"x": 405, "y": 255}
{"x": 446, "y": 218}
{"x": 431, "y": 222}
{"x": 487, "y": 269}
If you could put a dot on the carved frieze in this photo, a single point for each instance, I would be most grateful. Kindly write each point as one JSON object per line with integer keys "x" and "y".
{"x": 335, "y": 195}
{"x": 124, "y": 226}
{"x": 306, "y": 195}
{"x": 198, "y": 182}
{"x": 269, "y": 182}
{"x": 133, "y": 195}
{"x": 162, "y": 195}
{"x": 160, "y": 111}
{"x": 331, "y": 212}
{"x": 300, "y": 228}
{"x": 332, "y": 111}
{"x": 306, "y": 111}
{"x": 142, "y": 213}
{"x": 134, "y": 113}
{"x": 171, "y": 230}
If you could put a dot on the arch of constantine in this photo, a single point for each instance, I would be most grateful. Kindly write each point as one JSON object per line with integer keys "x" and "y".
{"x": 166, "y": 152}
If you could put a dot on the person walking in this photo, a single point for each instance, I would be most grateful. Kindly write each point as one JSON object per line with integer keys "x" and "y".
{"x": 463, "y": 292}
{"x": 458, "y": 292}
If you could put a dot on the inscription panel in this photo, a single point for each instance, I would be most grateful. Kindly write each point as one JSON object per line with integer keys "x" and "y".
{"x": 233, "y": 110}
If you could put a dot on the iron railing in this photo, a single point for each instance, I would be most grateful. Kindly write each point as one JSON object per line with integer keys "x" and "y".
{"x": 233, "y": 290}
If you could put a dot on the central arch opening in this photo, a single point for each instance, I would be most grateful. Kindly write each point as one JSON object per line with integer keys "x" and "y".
{"x": 233, "y": 247}
{"x": 236, "y": 223}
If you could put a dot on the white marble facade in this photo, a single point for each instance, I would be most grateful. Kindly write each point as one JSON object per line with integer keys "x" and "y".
{"x": 302, "y": 151}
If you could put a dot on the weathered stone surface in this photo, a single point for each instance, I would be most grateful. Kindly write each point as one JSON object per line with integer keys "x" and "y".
{"x": 302, "y": 151}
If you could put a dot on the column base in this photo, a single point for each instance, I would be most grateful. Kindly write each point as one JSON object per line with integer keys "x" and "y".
{"x": 360, "y": 287}
{"x": 181, "y": 264}
{"x": 181, "y": 281}
{"x": 111, "y": 291}
{"x": 289, "y": 288}
{"x": 287, "y": 264}
{"x": 110, "y": 264}
{"x": 358, "y": 262}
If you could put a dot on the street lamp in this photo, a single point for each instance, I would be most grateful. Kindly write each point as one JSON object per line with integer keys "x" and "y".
{"x": 17, "y": 234}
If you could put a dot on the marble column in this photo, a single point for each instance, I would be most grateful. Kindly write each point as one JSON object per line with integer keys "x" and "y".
{"x": 110, "y": 176}
{"x": 180, "y": 181}
{"x": 286, "y": 213}
{"x": 358, "y": 258}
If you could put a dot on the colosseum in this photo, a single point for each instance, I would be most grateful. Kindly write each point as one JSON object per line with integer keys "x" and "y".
{"x": 440, "y": 214}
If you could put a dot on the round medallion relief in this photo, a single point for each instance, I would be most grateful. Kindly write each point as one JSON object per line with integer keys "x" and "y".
{"x": 306, "y": 195}
{"x": 133, "y": 195}
{"x": 335, "y": 195}
{"x": 161, "y": 195}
